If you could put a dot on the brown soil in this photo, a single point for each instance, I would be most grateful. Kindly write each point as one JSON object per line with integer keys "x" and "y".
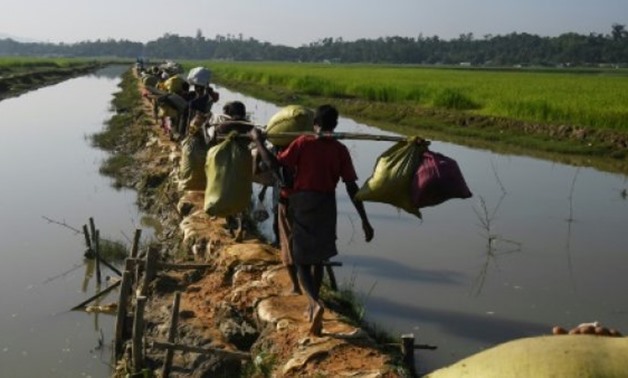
{"x": 239, "y": 301}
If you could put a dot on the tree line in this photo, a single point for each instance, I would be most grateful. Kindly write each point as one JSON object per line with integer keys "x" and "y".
{"x": 500, "y": 50}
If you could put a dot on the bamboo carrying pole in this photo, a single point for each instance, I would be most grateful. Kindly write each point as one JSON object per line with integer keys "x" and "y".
{"x": 340, "y": 135}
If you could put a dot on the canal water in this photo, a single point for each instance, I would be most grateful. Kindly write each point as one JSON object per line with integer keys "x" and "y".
{"x": 539, "y": 244}
{"x": 50, "y": 186}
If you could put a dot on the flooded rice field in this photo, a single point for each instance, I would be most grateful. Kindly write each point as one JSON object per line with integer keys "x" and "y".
{"x": 539, "y": 244}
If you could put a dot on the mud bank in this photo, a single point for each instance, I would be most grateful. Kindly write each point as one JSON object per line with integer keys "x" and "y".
{"x": 15, "y": 84}
{"x": 238, "y": 301}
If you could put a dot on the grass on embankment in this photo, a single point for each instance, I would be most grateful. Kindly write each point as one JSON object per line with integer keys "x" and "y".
{"x": 21, "y": 74}
{"x": 578, "y": 114}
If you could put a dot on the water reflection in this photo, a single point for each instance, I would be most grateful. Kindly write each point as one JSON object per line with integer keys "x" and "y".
{"x": 52, "y": 172}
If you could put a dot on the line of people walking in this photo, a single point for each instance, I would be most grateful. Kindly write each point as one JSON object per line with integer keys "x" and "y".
{"x": 217, "y": 157}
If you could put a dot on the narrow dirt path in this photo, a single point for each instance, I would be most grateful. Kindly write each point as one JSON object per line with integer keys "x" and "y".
{"x": 240, "y": 302}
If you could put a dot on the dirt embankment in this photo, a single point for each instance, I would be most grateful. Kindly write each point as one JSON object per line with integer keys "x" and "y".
{"x": 240, "y": 301}
{"x": 15, "y": 84}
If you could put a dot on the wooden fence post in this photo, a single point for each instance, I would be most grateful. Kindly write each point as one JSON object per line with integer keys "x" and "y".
{"x": 88, "y": 242}
{"x": 125, "y": 289}
{"x": 97, "y": 250}
{"x": 172, "y": 334}
{"x": 407, "y": 350}
{"x": 136, "y": 242}
{"x": 150, "y": 270}
{"x": 138, "y": 335}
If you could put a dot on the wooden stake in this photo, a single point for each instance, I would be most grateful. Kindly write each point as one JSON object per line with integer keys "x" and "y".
{"x": 100, "y": 294}
{"x": 150, "y": 269}
{"x": 88, "y": 242}
{"x": 92, "y": 228}
{"x": 194, "y": 349}
{"x": 138, "y": 335}
{"x": 97, "y": 250}
{"x": 172, "y": 334}
{"x": 125, "y": 289}
{"x": 136, "y": 242}
{"x": 407, "y": 350}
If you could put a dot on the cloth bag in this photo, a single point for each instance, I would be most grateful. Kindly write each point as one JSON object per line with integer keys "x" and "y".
{"x": 229, "y": 178}
{"x": 391, "y": 181}
{"x": 437, "y": 180}
{"x": 293, "y": 119}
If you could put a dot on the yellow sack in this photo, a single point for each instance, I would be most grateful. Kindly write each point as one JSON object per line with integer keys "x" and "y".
{"x": 292, "y": 118}
{"x": 229, "y": 178}
{"x": 192, "y": 165}
{"x": 174, "y": 84}
{"x": 391, "y": 181}
{"x": 570, "y": 356}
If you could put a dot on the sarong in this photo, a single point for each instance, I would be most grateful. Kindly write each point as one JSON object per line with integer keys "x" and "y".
{"x": 313, "y": 227}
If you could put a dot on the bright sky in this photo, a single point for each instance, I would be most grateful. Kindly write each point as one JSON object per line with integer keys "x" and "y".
{"x": 299, "y": 22}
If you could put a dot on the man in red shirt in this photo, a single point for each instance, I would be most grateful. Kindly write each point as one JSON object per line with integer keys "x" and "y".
{"x": 318, "y": 163}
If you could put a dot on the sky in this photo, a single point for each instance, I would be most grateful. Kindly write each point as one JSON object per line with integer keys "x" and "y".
{"x": 300, "y": 22}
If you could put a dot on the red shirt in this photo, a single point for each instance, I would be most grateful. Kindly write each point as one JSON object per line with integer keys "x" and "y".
{"x": 318, "y": 163}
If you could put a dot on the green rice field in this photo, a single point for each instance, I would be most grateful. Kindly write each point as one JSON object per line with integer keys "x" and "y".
{"x": 24, "y": 64}
{"x": 592, "y": 98}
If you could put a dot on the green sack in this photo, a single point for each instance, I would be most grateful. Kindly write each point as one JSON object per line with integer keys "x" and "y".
{"x": 391, "y": 181}
{"x": 192, "y": 164}
{"x": 229, "y": 178}
{"x": 293, "y": 119}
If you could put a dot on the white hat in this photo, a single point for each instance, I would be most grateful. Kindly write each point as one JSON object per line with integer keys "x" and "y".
{"x": 199, "y": 76}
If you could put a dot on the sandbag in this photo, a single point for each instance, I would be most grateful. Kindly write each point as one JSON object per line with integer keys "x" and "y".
{"x": 570, "y": 356}
{"x": 391, "y": 181}
{"x": 437, "y": 180}
{"x": 291, "y": 118}
{"x": 192, "y": 164}
{"x": 229, "y": 178}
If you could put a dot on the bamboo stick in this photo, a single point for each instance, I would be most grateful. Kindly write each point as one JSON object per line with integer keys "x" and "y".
{"x": 150, "y": 268}
{"x": 194, "y": 349}
{"x": 97, "y": 249}
{"x": 136, "y": 242}
{"x": 172, "y": 334}
{"x": 341, "y": 135}
{"x": 88, "y": 243}
{"x": 100, "y": 294}
{"x": 407, "y": 351}
{"x": 122, "y": 313}
{"x": 137, "y": 351}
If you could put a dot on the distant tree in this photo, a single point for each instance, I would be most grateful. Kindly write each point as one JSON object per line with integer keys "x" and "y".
{"x": 619, "y": 32}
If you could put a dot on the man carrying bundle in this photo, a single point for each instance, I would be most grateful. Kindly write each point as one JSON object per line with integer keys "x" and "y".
{"x": 318, "y": 162}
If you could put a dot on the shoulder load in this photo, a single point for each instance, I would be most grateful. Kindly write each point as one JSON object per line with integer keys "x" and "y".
{"x": 292, "y": 118}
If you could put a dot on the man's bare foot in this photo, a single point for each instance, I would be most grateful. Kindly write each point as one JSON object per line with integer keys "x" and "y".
{"x": 316, "y": 328}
